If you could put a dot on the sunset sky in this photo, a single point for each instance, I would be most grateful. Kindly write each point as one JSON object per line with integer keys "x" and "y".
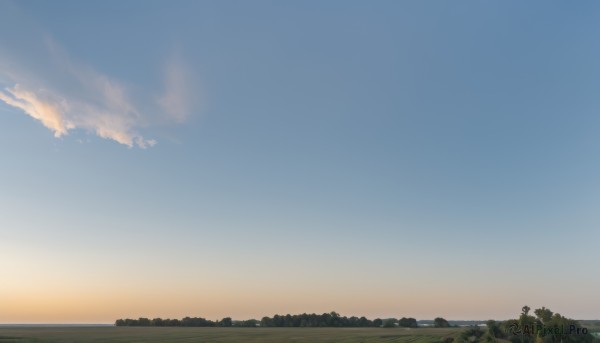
{"x": 246, "y": 158}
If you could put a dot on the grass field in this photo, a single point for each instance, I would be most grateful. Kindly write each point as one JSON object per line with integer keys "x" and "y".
{"x": 225, "y": 335}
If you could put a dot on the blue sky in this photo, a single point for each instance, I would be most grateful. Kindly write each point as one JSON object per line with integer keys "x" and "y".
{"x": 381, "y": 158}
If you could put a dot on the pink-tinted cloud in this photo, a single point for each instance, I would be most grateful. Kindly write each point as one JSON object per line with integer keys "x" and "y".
{"x": 80, "y": 97}
{"x": 50, "y": 113}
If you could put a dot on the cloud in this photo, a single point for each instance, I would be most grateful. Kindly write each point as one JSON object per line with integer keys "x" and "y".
{"x": 66, "y": 95}
{"x": 49, "y": 113}
{"x": 176, "y": 100}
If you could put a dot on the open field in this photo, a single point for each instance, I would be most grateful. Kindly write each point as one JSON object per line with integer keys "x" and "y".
{"x": 224, "y": 335}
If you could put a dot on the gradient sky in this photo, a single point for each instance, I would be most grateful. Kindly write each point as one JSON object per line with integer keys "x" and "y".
{"x": 247, "y": 158}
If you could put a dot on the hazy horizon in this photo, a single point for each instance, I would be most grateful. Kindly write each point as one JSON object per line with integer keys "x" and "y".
{"x": 270, "y": 315}
{"x": 232, "y": 158}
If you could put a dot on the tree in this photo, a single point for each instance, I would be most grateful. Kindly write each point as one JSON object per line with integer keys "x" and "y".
{"x": 131, "y": 322}
{"x": 548, "y": 327}
{"x": 440, "y": 322}
{"x": 389, "y": 323}
{"x": 364, "y": 322}
{"x": 494, "y": 329}
{"x": 277, "y": 320}
{"x": 174, "y": 322}
{"x": 226, "y": 322}
{"x": 266, "y": 321}
{"x": 144, "y": 322}
{"x": 543, "y": 314}
{"x": 407, "y": 322}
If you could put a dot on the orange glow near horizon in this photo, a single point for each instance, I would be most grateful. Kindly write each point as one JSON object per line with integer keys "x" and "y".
{"x": 44, "y": 305}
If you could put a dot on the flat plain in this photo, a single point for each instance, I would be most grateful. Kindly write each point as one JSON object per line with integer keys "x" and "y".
{"x": 223, "y": 335}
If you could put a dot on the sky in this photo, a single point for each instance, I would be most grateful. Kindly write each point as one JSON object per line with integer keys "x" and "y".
{"x": 247, "y": 158}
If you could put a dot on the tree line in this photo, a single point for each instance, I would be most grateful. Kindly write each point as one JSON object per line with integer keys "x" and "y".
{"x": 542, "y": 327}
{"x": 332, "y": 319}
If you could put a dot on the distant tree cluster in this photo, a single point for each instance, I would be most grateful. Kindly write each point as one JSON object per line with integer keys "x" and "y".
{"x": 187, "y": 321}
{"x": 407, "y": 322}
{"x": 332, "y": 319}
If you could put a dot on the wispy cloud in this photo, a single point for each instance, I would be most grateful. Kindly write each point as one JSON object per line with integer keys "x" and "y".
{"x": 176, "y": 99}
{"x": 50, "y": 113}
{"x": 79, "y": 97}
